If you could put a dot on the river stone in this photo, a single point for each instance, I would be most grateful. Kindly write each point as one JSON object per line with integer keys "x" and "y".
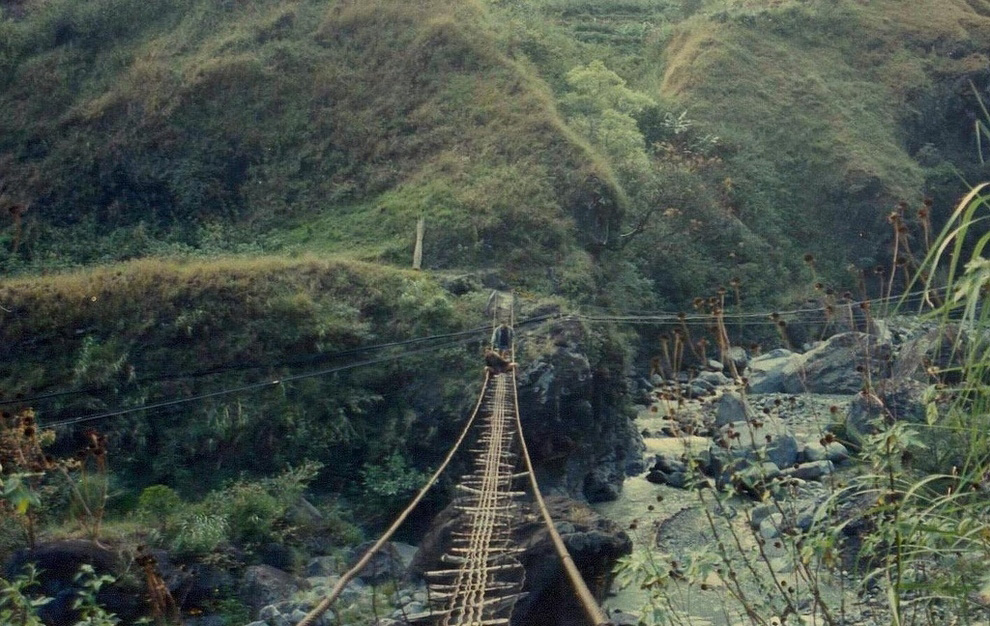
{"x": 765, "y": 372}
{"x": 772, "y": 525}
{"x": 732, "y": 408}
{"x": 668, "y": 463}
{"x": 828, "y": 368}
{"x": 264, "y": 585}
{"x": 387, "y": 564}
{"x": 322, "y": 566}
{"x": 816, "y": 470}
{"x": 621, "y": 618}
{"x": 768, "y": 433}
{"x": 834, "y": 451}
{"x": 715, "y": 379}
{"x": 759, "y": 513}
{"x": 862, "y": 416}
{"x": 944, "y": 349}
{"x": 738, "y": 357}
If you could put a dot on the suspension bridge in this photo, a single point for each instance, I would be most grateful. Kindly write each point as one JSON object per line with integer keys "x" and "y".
{"x": 481, "y": 578}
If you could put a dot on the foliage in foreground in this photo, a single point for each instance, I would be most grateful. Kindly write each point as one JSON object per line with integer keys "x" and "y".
{"x": 910, "y": 526}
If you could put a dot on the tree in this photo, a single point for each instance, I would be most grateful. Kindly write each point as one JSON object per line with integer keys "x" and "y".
{"x": 602, "y": 108}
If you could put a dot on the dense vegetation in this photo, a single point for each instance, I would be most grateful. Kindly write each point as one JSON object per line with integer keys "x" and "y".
{"x": 225, "y": 191}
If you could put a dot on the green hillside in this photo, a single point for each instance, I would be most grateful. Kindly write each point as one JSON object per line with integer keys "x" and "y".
{"x": 210, "y": 207}
{"x": 288, "y": 125}
{"x": 765, "y": 130}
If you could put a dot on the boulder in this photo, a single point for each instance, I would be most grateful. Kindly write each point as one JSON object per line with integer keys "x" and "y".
{"x": 387, "y": 564}
{"x": 903, "y": 398}
{"x": 263, "y": 585}
{"x": 732, "y": 407}
{"x": 863, "y": 415}
{"x": 815, "y": 470}
{"x": 765, "y": 372}
{"x": 714, "y": 379}
{"x": 940, "y": 351}
{"x": 579, "y": 432}
{"x": 832, "y": 451}
{"x": 57, "y": 564}
{"x": 768, "y": 435}
{"x": 836, "y": 366}
{"x": 322, "y": 566}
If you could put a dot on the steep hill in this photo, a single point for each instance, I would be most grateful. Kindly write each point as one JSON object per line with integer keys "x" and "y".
{"x": 629, "y": 154}
{"x": 329, "y": 126}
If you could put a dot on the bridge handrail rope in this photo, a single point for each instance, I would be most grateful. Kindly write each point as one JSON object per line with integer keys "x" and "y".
{"x": 591, "y": 608}
{"x": 350, "y": 574}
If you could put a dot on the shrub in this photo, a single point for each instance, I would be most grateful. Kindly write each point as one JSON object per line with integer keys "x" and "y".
{"x": 199, "y": 534}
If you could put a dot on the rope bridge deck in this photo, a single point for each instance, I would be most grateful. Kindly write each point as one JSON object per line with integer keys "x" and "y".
{"x": 487, "y": 579}
{"x": 484, "y": 580}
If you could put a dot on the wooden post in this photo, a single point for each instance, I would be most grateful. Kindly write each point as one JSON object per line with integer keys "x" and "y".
{"x": 418, "y": 251}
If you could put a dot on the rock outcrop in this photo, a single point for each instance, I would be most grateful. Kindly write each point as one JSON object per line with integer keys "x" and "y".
{"x": 840, "y": 365}
{"x": 572, "y": 393}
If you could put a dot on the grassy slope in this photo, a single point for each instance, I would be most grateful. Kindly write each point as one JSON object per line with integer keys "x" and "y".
{"x": 828, "y": 112}
{"x": 303, "y": 125}
{"x": 816, "y": 96}
{"x": 322, "y": 126}
{"x": 116, "y": 332}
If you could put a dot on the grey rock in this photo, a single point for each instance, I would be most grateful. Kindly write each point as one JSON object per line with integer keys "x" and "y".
{"x": 863, "y": 416}
{"x": 834, "y": 451}
{"x": 944, "y": 349}
{"x": 258, "y": 624}
{"x": 264, "y": 585}
{"x": 738, "y": 357}
{"x": 268, "y": 612}
{"x": 768, "y": 435}
{"x": 622, "y": 618}
{"x": 732, "y": 408}
{"x": 386, "y": 564}
{"x": 414, "y": 607}
{"x": 760, "y": 513}
{"x": 714, "y": 378}
{"x": 772, "y": 525}
{"x": 668, "y": 463}
{"x": 406, "y": 552}
{"x": 830, "y": 367}
{"x": 297, "y": 616}
{"x": 903, "y": 398}
{"x": 778, "y": 353}
{"x": 701, "y": 387}
{"x": 816, "y": 470}
{"x": 805, "y": 519}
{"x": 677, "y": 479}
{"x": 765, "y": 373}
{"x": 715, "y": 366}
{"x": 635, "y": 466}
{"x": 322, "y": 566}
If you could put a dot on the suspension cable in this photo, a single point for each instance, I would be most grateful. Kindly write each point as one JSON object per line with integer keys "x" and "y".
{"x": 249, "y": 387}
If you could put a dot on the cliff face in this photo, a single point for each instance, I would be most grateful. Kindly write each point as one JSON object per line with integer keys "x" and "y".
{"x": 572, "y": 396}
